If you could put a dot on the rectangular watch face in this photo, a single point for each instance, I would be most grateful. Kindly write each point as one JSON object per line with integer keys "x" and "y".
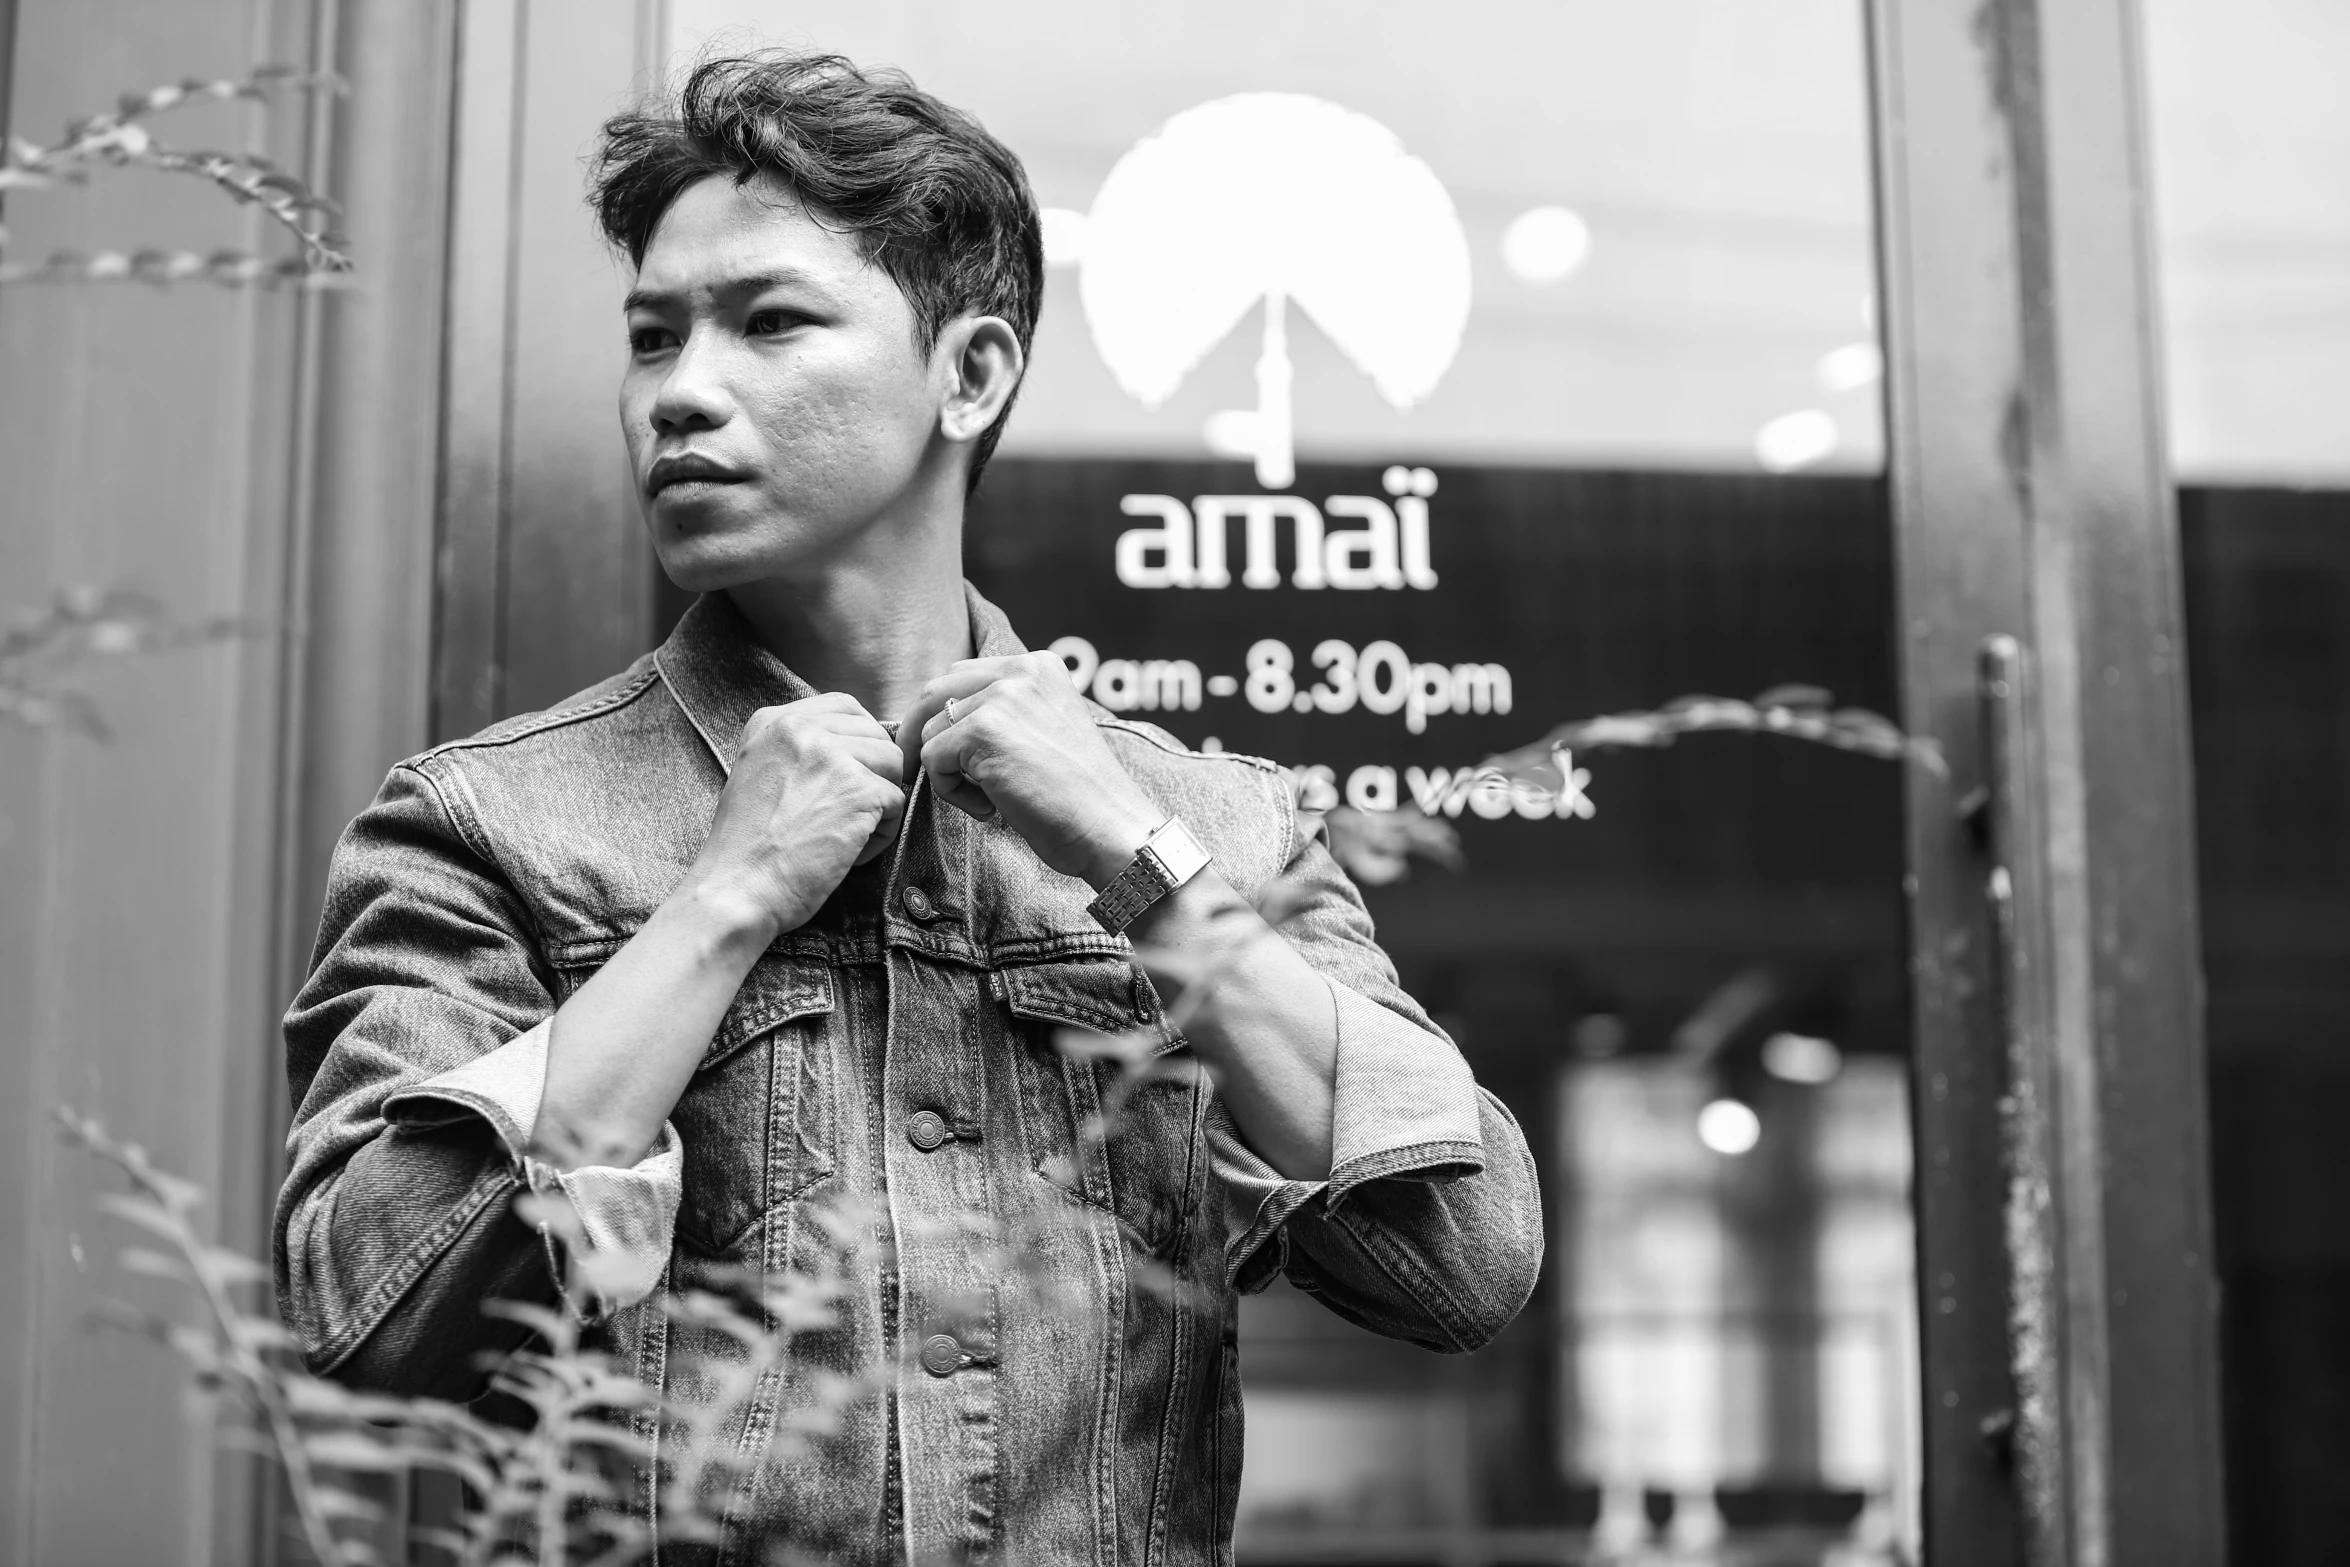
{"x": 1178, "y": 853}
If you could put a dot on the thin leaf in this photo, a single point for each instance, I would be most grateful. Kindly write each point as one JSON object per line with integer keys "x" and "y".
{"x": 334, "y": 1502}
{"x": 154, "y": 1264}
{"x": 354, "y": 1450}
{"x": 147, "y": 1215}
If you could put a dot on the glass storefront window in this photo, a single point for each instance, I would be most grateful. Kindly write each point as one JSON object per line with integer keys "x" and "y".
{"x": 1412, "y": 380}
{"x": 1664, "y": 211}
{"x": 2250, "y": 132}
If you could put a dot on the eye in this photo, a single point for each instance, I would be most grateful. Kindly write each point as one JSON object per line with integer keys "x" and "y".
{"x": 766, "y": 323}
{"x": 650, "y": 339}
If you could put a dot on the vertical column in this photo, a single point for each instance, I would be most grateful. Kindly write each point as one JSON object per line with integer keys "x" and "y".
{"x": 545, "y": 579}
{"x": 2031, "y": 500}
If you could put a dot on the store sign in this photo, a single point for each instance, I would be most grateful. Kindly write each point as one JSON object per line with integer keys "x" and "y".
{"x": 1323, "y": 634}
{"x": 1188, "y": 548}
{"x": 1268, "y": 200}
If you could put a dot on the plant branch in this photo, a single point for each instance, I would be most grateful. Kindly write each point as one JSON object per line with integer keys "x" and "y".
{"x": 1797, "y": 712}
{"x": 174, "y": 1201}
{"x": 120, "y": 138}
{"x": 81, "y": 625}
{"x": 1377, "y": 847}
{"x": 159, "y": 267}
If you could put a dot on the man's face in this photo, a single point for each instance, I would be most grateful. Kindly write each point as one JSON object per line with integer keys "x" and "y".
{"x": 775, "y": 403}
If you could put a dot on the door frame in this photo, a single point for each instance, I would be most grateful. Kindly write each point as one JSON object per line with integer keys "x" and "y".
{"x": 2066, "y": 1290}
{"x": 2067, "y": 1294}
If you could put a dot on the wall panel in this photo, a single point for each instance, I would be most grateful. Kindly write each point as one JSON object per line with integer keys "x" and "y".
{"x": 545, "y": 579}
{"x": 267, "y": 456}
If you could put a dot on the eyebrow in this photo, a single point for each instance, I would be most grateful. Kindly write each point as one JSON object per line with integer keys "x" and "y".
{"x": 753, "y": 283}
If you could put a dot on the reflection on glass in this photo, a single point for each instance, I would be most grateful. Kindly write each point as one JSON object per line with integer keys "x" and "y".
{"x": 2251, "y": 133}
{"x": 2250, "y": 129}
{"x": 1412, "y": 379}
{"x": 1662, "y": 210}
{"x": 1269, "y": 200}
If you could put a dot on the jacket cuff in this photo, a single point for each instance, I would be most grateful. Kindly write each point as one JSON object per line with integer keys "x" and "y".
{"x": 1258, "y": 1205}
{"x": 627, "y": 1217}
{"x": 1404, "y": 1106}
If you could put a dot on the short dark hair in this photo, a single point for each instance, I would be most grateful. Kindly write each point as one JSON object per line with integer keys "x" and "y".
{"x": 929, "y": 196}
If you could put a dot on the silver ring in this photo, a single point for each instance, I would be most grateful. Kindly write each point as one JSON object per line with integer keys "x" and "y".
{"x": 951, "y": 720}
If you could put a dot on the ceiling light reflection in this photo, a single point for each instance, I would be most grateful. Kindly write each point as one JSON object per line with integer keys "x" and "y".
{"x": 1795, "y": 440}
{"x": 1728, "y": 1127}
{"x": 1851, "y": 367}
{"x": 1545, "y": 244}
{"x": 1801, "y": 1058}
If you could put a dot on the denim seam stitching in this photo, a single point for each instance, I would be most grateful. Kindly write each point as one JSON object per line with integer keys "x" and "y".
{"x": 1156, "y": 1526}
{"x": 461, "y": 822}
{"x": 1283, "y": 1203}
{"x": 1030, "y": 951}
{"x": 553, "y": 718}
{"x": 1285, "y": 809}
{"x": 1174, "y": 747}
{"x": 763, "y": 1019}
{"x": 1382, "y": 1163}
{"x": 1423, "y": 1287}
{"x": 459, "y": 806}
{"x": 420, "y": 1255}
{"x": 669, "y": 682}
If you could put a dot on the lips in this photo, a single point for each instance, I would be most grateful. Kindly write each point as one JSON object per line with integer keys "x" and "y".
{"x": 690, "y": 468}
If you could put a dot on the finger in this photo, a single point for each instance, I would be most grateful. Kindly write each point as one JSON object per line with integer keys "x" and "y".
{"x": 850, "y": 723}
{"x": 829, "y": 713}
{"x": 964, "y": 708}
{"x": 967, "y": 677}
{"x": 878, "y": 753}
{"x": 968, "y": 798}
{"x": 885, "y": 831}
{"x": 945, "y": 759}
{"x": 827, "y": 702}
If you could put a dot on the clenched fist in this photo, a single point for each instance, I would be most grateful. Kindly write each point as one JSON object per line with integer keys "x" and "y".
{"x": 816, "y": 791}
{"x": 1011, "y": 737}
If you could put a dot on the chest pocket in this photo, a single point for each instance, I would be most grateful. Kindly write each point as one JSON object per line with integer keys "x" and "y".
{"x": 1113, "y": 1109}
{"x": 758, "y": 1118}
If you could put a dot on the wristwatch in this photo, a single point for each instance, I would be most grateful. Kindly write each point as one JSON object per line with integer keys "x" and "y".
{"x": 1167, "y": 859}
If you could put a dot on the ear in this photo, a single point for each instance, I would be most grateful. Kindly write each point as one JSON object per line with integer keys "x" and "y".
{"x": 981, "y": 362}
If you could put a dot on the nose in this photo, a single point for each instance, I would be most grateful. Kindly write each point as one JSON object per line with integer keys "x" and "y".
{"x": 693, "y": 395}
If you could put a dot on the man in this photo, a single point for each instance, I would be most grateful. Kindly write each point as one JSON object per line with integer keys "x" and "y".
{"x": 715, "y": 945}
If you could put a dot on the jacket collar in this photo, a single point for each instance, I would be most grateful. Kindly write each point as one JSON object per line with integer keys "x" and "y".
{"x": 721, "y": 673}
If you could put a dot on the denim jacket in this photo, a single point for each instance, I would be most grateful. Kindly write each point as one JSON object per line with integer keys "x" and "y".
{"x": 905, "y": 1048}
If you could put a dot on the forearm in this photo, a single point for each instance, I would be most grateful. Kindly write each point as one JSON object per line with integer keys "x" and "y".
{"x": 625, "y": 1045}
{"x": 1255, "y": 1012}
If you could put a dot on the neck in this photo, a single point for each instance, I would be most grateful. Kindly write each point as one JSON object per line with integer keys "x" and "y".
{"x": 879, "y": 620}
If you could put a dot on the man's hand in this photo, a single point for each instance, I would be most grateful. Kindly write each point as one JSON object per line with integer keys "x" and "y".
{"x": 817, "y": 789}
{"x": 1018, "y": 741}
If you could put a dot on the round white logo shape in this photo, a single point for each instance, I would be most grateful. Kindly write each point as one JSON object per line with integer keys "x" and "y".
{"x": 1276, "y": 198}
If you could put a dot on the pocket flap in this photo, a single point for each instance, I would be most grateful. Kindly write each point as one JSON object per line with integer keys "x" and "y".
{"x": 777, "y": 990}
{"x": 1107, "y": 995}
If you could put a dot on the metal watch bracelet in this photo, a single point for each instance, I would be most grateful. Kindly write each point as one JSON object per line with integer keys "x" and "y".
{"x": 1168, "y": 858}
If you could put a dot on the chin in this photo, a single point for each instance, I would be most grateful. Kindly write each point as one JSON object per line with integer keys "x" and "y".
{"x": 705, "y": 550}
{"x": 703, "y": 565}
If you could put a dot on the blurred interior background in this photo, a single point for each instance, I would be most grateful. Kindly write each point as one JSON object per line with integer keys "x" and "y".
{"x": 1600, "y": 294}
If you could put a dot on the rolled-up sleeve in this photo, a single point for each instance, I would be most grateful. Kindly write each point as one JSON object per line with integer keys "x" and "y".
{"x": 1429, "y": 1225}
{"x": 626, "y": 1218}
{"x": 415, "y": 1053}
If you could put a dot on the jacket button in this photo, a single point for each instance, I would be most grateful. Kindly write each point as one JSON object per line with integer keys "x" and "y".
{"x": 925, "y": 1129}
{"x": 941, "y": 1355}
{"x": 917, "y": 903}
